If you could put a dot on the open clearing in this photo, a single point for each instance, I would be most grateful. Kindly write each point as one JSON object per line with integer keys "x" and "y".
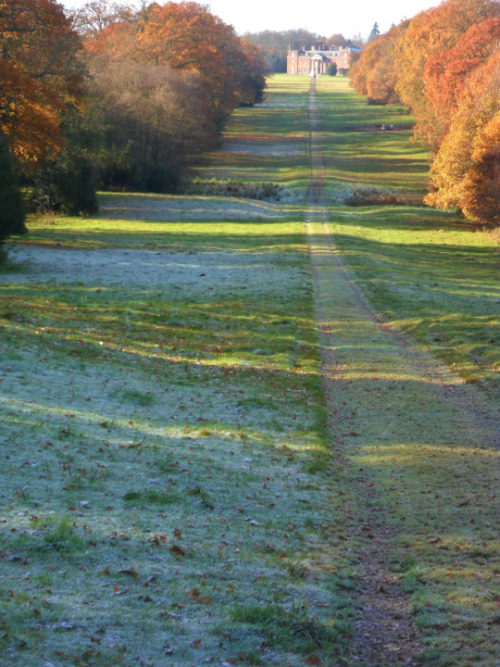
{"x": 216, "y": 453}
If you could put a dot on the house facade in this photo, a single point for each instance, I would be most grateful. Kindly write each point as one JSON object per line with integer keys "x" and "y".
{"x": 315, "y": 61}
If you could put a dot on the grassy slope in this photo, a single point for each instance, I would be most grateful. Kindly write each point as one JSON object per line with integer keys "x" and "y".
{"x": 164, "y": 484}
{"x": 189, "y": 416}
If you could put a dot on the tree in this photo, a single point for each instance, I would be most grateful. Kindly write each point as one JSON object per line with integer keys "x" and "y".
{"x": 374, "y": 32}
{"x": 332, "y": 69}
{"x": 480, "y": 199}
{"x": 428, "y": 34}
{"x": 375, "y": 72}
{"x": 11, "y": 203}
{"x": 95, "y": 16}
{"x": 466, "y": 171}
{"x": 337, "y": 39}
{"x": 158, "y": 122}
{"x": 40, "y": 75}
{"x": 250, "y": 73}
{"x": 382, "y": 79}
{"x": 447, "y": 74}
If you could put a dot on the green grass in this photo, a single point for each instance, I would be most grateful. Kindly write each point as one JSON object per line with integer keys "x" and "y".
{"x": 433, "y": 278}
{"x": 177, "y": 422}
{"x": 420, "y": 437}
{"x": 160, "y": 421}
{"x": 170, "y": 492}
{"x": 426, "y": 272}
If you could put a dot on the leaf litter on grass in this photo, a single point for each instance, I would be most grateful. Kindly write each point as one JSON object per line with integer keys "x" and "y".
{"x": 164, "y": 460}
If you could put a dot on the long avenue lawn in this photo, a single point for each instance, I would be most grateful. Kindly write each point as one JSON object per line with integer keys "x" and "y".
{"x": 172, "y": 490}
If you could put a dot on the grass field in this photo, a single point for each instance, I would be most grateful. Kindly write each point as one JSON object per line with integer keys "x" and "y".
{"x": 170, "y": 492}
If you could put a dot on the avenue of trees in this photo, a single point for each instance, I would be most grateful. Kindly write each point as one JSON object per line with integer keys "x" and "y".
{"x": 112, "y": 97}
{"x": 444, "y": 65}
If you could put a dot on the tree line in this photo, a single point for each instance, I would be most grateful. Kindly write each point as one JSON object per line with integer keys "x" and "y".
{"x": 444, "y": 64}
{"x": 112, "y": 97}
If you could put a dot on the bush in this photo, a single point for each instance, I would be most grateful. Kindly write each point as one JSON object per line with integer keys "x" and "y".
{"x": 332, "y": 70}
{"x": 65, "y": 184}
{"x": 261, "y": 191}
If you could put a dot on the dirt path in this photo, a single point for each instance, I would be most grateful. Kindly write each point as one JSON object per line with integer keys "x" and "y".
{"x": 381, "y": 391}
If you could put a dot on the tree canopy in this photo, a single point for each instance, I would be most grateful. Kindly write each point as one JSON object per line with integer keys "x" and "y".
{"x": 444, "y": 65}
{"x": 40, "y": 74}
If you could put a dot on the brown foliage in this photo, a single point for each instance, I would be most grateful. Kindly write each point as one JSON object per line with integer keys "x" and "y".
{"x": 40, "y": 75}
{"x": 187, "y": 36}
{"x": 445, "y": 66}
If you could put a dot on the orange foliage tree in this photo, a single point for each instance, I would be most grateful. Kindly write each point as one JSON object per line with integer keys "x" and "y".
{"x": 447, "y": 73}
{"x": 375, "y": 73}
{"x": 466, "y": 171}
{"x": 444, "y": 64}
{"x": 167, "y": 77}
{"x": 186, "y": 36}
{"x": 428, "y": 34}
{"x": 39, "y": 74}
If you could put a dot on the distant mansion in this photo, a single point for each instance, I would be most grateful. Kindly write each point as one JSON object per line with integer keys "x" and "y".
{"x": 316, "y": 61}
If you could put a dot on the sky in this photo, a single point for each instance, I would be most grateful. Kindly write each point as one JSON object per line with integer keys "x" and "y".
{"x": 324, "y": 17}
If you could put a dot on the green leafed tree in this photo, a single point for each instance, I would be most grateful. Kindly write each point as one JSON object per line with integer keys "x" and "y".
{"x": 375, "y": 32}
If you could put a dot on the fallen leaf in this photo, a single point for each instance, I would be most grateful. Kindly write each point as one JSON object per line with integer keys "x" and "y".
{"x": 313, "y": 660}
{"x": 178, "y": 550}
{"x": 132, "y": 572}
{"x": 199, "y": 597}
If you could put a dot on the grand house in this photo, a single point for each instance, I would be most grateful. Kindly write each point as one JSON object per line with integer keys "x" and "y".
{"x": 315, "y": 61}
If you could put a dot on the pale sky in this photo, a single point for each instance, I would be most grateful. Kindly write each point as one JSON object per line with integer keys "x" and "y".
{"x": 325, "y": 18}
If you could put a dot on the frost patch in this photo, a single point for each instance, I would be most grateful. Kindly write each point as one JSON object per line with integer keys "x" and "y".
{"x": 168, "y": 208}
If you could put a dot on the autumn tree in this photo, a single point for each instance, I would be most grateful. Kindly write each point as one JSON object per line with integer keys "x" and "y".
{"x": 362, "y": 68}
{"x": 250, "y": 73}
{"x": 40, "y": 76}
{"x": 445, "y": 65}
{"x": 93, "y": 17}
{"x": 167, "y": 77}
{"x": 447, "y": 74}
{"x": 186, "y": 36}
{"x": 465, "y": 174}
{"x": 155, "y": 122}
{"x": 428, "y": 34}
{"x": 375, "y": 72}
